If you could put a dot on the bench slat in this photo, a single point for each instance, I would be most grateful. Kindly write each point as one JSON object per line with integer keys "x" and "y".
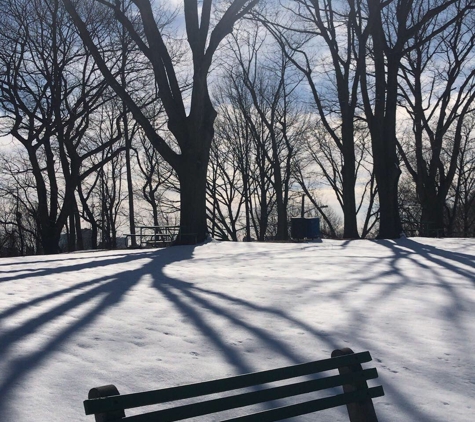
{"x": 255, "y": 397}
{"x": 129, "y": 401}
{"x": 308, "y": 407}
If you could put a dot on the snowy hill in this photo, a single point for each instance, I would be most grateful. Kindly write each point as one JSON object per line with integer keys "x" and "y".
{"x": 149, "y": 319}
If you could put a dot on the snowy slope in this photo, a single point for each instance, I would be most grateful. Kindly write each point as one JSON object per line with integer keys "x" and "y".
{"x": 149, "y": 319}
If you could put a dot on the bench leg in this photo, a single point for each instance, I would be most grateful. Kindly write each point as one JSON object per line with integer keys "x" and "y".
{"x": 106, "y": 391}
{"x": 362, "y": 411}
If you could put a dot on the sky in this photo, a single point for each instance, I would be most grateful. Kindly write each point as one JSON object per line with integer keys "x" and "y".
{"x": 147, "y": 319}
{"x": 6, "y": 142}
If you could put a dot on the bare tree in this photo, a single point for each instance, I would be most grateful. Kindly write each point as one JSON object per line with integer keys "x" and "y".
{"x": 191, "y": 126}
{"x": 18, "y": 228}
{"x": 267, "y": 89}
{"x": 460, "y": 204}
{"x": 158, "y": 184}
{"x": 226, "y": 197}
{"x": 390, "y": 34}
{"x": 321, "y": 40}
{"x": 49, "y": 88}
{"x": 438, "y": 91}
{"x": 242, "y": 144}
{"x": 238, "y": 162}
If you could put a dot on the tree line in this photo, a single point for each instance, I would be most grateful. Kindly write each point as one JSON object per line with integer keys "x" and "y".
{"x": 224, "y": 116}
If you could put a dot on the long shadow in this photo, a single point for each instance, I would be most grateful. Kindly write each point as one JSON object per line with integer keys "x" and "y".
{"x": 420, "y": 256}
{"x": 277, "y": 313}
{"x": 37, "y": 301}
{"x": 391, "y": 278}
{"x": 106, "y": 291}
{"x": 122, "y": 259}
{"x": 47, "y": 270}
{"x": 201, "y": 306}
{"x": 414, "y": 251}
{"x": 447, "y": 261}
{"x": 444, "y": 258}
{"x": 67, "y": 257}
{"x": 186, "y": 298}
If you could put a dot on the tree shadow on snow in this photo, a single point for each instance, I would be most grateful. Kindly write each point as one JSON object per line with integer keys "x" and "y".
{"x": 428, "y": 268}
{"x": 206, "y": 310}
{"x": 197, "y": 305}
{"x": 103, "y": 292}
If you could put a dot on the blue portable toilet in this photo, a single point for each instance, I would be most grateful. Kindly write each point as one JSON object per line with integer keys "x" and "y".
{"x": 305, "y": 228}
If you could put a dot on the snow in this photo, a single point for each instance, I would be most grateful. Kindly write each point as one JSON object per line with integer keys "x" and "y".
{"x": 156, "y": 318}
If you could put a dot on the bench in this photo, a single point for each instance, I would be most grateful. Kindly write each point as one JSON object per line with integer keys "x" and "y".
{"x": 108, "y": 405}
{"x": 159, "y": 240}
{"x": 160, "y": 236}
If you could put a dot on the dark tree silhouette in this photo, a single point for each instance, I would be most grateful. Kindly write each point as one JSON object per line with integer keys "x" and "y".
{"x": 48, "y": 91}
{"x": 391, "y": 33}
{"x": 190, "y": 124}
{"x": 317, "y": 23}
{"x": 438, "y": 90}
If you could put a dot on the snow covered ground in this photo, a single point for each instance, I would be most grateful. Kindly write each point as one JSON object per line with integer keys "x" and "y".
{"x": 155, "y": 318}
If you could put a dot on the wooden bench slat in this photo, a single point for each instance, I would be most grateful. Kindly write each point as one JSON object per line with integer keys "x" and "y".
{"x": 128, "y": 401}
{"x": 307, "y": 407}
{"x": 260, "y": 396}
{"x": 283, "y": 412}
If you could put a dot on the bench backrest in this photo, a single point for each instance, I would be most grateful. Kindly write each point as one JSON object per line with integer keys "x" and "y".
{"x": 108, "y": 405}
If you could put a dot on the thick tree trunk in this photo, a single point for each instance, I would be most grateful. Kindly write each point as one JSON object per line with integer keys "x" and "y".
{"x": 154, "y": 211}
{"x": 49, "y": 240}
{"x": 432, "y": 215}
{"x": 432, "y": 219}
{"x": 94, "y": 233}
{"x": 350, "y": 230}
{"x": 382, "y": 122}
{"x": 193, "y": 222}
{"x": 387, "y": 173}
{"x": 282, "y": 222}
{"x": 390, "y": 222}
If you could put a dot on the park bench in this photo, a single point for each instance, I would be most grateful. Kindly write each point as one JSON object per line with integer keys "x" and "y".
{"x": 159, "y": 240}
{"x": 108, "y": 405}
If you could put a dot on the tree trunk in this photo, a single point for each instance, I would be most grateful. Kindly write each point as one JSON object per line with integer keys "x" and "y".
{"x": 94, "y": 233}
{"x": 130, "y": 188}
{"x": 432, "y": 219}
{"x": 247, "y": 238}
{"x": 390, "y": 222}
{"x": 49, "y": 240}
{"x": 387, "y": 173}
{"x": 20, "y": 230}
{"x": 72, "y": 231}
{"x": 282, "y": 224}
{"x": 263, "y": 212}
{"x": 193, "y": 223}
{"x": 383, "y": 127}
{"x": 79, "y": 236}
{"x": 350, "y": 230}
{"x": 432, "y": 216}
